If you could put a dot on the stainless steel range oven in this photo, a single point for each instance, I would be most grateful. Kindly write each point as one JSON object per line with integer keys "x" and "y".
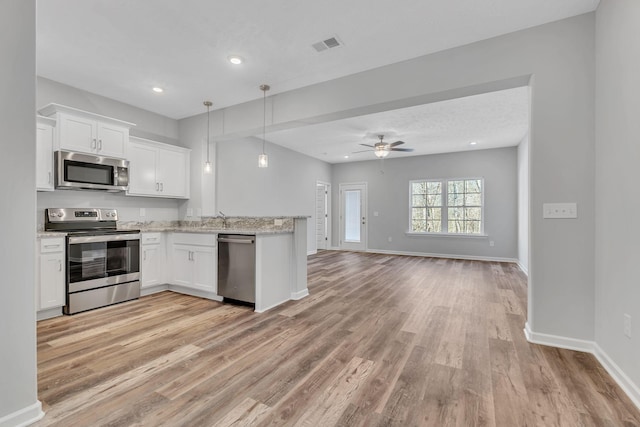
{"x": 103, "y": 263}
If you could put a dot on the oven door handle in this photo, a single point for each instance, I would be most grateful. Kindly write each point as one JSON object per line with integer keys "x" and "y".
{"x": 102, "y": 238}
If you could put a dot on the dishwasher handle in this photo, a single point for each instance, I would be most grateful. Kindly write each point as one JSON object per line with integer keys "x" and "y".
{"x": 229, "y": 240}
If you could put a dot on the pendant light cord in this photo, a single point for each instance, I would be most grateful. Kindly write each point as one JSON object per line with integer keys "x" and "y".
{"x": 264, "y": 117}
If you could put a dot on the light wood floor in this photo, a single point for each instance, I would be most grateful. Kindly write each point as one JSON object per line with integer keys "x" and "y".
{"x": 381, "y": 340}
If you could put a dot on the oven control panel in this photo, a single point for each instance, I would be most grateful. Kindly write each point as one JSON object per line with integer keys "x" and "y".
{"x": 80, "y": 214}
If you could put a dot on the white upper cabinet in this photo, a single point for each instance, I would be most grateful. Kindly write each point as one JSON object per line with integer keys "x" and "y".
{"x": 157, "y": 169}
{"x": 86, "y": 132}
{"x": 44, "y": 153}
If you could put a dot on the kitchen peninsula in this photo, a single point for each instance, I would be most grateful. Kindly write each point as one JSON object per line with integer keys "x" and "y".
{"x": 182, "y": 256}
{"x": 185, "y": 253}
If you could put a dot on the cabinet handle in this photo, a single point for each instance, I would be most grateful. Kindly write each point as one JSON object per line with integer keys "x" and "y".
{"x": 59, "y": 265}
{"x": 157, "y": 186}
{"x": 161, "y": 186}
{"x": 51, "y": 246}
{"x": 93, "y": 143}
{"x": 49, "y": 178}
{"x": 144, "y": 255}
{"x": 99, "y": 144}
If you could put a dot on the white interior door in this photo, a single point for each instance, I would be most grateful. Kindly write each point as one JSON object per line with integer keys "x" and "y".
{"x": 353, "y": 216}
{"x": 323, "y": 191}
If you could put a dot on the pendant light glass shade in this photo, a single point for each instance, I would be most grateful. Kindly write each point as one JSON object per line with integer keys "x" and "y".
{"x": 207, "y": 163}
{"x": 263, "y": 159}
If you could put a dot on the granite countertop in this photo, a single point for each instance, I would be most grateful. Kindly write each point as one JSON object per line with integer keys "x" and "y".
{"x": 206, "y": 225}
{"x": 211, "y": 230}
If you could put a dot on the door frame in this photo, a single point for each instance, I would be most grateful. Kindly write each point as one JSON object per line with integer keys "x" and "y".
{"x": 327, "y": 187}
{"x": 364, "y": 238}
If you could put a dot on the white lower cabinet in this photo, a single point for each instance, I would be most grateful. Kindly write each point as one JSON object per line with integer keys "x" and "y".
{"x": 50, "y": 276}
{"x": 194, "y": 261}
{"x": 153, "y": 260}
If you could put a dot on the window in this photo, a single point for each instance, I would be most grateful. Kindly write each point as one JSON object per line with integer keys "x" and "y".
{"x": 462, "y": 213}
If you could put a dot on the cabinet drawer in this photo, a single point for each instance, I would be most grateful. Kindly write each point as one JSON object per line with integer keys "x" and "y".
{"x": 151, "y": 238}
{"x": 195, "y": 239}
{"x": 55, "y": 244}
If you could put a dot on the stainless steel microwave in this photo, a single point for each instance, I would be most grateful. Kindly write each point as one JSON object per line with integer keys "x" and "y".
{"x": 80, "y": 171}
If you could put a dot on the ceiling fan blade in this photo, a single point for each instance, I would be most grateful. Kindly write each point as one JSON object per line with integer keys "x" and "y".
{"x": 393, "y": 144}
{"x": 407, "y": 150}
{"x": 367, "y": 145}
{"x": 363, "y": 151}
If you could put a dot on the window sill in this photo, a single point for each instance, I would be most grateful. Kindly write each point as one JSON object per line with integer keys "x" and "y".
{"x": 465, "y": 236}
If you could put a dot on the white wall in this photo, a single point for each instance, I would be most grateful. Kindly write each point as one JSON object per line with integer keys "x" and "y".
{"x": 18, "y": 392}
{"x": 617, "y": 177}
{"x": 523, "y": 204}
{"x": 388, "y": 194}
{"x": 148, "y": 125}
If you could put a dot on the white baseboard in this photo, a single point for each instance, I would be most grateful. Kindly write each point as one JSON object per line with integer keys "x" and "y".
{"x": 558, "y": 341}
{"x": 450, "y": 256}
{"x": 522, "y": 267}
{"x": 300, "y": 294}
{"x": 629, "y": 387}
{"x": 626, "y": 384}
{"x": 23, "y": 417}
{"x": 313, "y": 252}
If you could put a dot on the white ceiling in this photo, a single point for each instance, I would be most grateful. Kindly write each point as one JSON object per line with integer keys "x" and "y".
{"x": 491, "y": 120}
{"x": 122, "y": 48}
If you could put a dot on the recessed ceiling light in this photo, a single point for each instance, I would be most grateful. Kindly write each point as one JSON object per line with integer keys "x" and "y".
{"x": 473, "y": 143}
{"x": 235, "y": 59}
{"x": 158, "y": 89}
{"x": 346, "y": 157}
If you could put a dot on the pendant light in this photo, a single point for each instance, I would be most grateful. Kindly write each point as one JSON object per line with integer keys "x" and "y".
{"x": 263, "y": 159}
{"x": 207, "y": 164}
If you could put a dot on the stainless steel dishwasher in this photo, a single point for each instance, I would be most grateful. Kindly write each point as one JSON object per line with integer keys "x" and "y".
{"x": 237, "y": 267}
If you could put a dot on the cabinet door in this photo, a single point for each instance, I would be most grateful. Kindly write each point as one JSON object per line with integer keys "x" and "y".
{"x": 151, "y": 272}
{"x": 112, "y": 140}
{"x": 51, "y": 280}
{"x": 142, "y": 170}
{"x": 44, "y": 157}
{"x": 182, "y": 265}
{"x": 172, "y": 172}
{"x": 204, "y": 268}
{"x": 77, "y": 134}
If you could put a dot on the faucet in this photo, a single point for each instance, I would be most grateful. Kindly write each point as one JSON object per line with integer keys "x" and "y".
{"x": 224, "y": 219}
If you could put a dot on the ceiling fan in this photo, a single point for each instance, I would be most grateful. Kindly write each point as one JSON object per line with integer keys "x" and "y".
{"x": 382, "y": 149}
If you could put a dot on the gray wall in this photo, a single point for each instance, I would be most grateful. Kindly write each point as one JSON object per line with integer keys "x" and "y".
{"x": 148, "y": 125}
{"x": 17, "y": 246}
{"x": 617, "y": 177}
{"x": 388, "y": 194}
{"x": 238, "y": 187}
{"x": 523, "y": 204}
{"x": 558, "y": 61}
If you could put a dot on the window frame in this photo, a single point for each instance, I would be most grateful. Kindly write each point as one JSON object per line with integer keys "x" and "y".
{"x": 444, "y": 205}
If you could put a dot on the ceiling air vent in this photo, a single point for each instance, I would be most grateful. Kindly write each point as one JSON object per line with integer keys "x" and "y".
{"x": 327, "y": 44}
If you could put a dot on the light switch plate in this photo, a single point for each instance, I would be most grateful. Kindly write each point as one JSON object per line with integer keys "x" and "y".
{"x": 143, "y": 212}
{"x": 559, "y": 210}
{"x": 277, "y": 222}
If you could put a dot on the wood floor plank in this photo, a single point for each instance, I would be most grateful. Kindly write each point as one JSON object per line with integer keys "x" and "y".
{"x": 382, "y": 340}
{"x": 333, "y": 401}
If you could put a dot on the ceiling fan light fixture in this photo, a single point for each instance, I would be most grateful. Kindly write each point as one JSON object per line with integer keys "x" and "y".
{"x": 381, "y": 152}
